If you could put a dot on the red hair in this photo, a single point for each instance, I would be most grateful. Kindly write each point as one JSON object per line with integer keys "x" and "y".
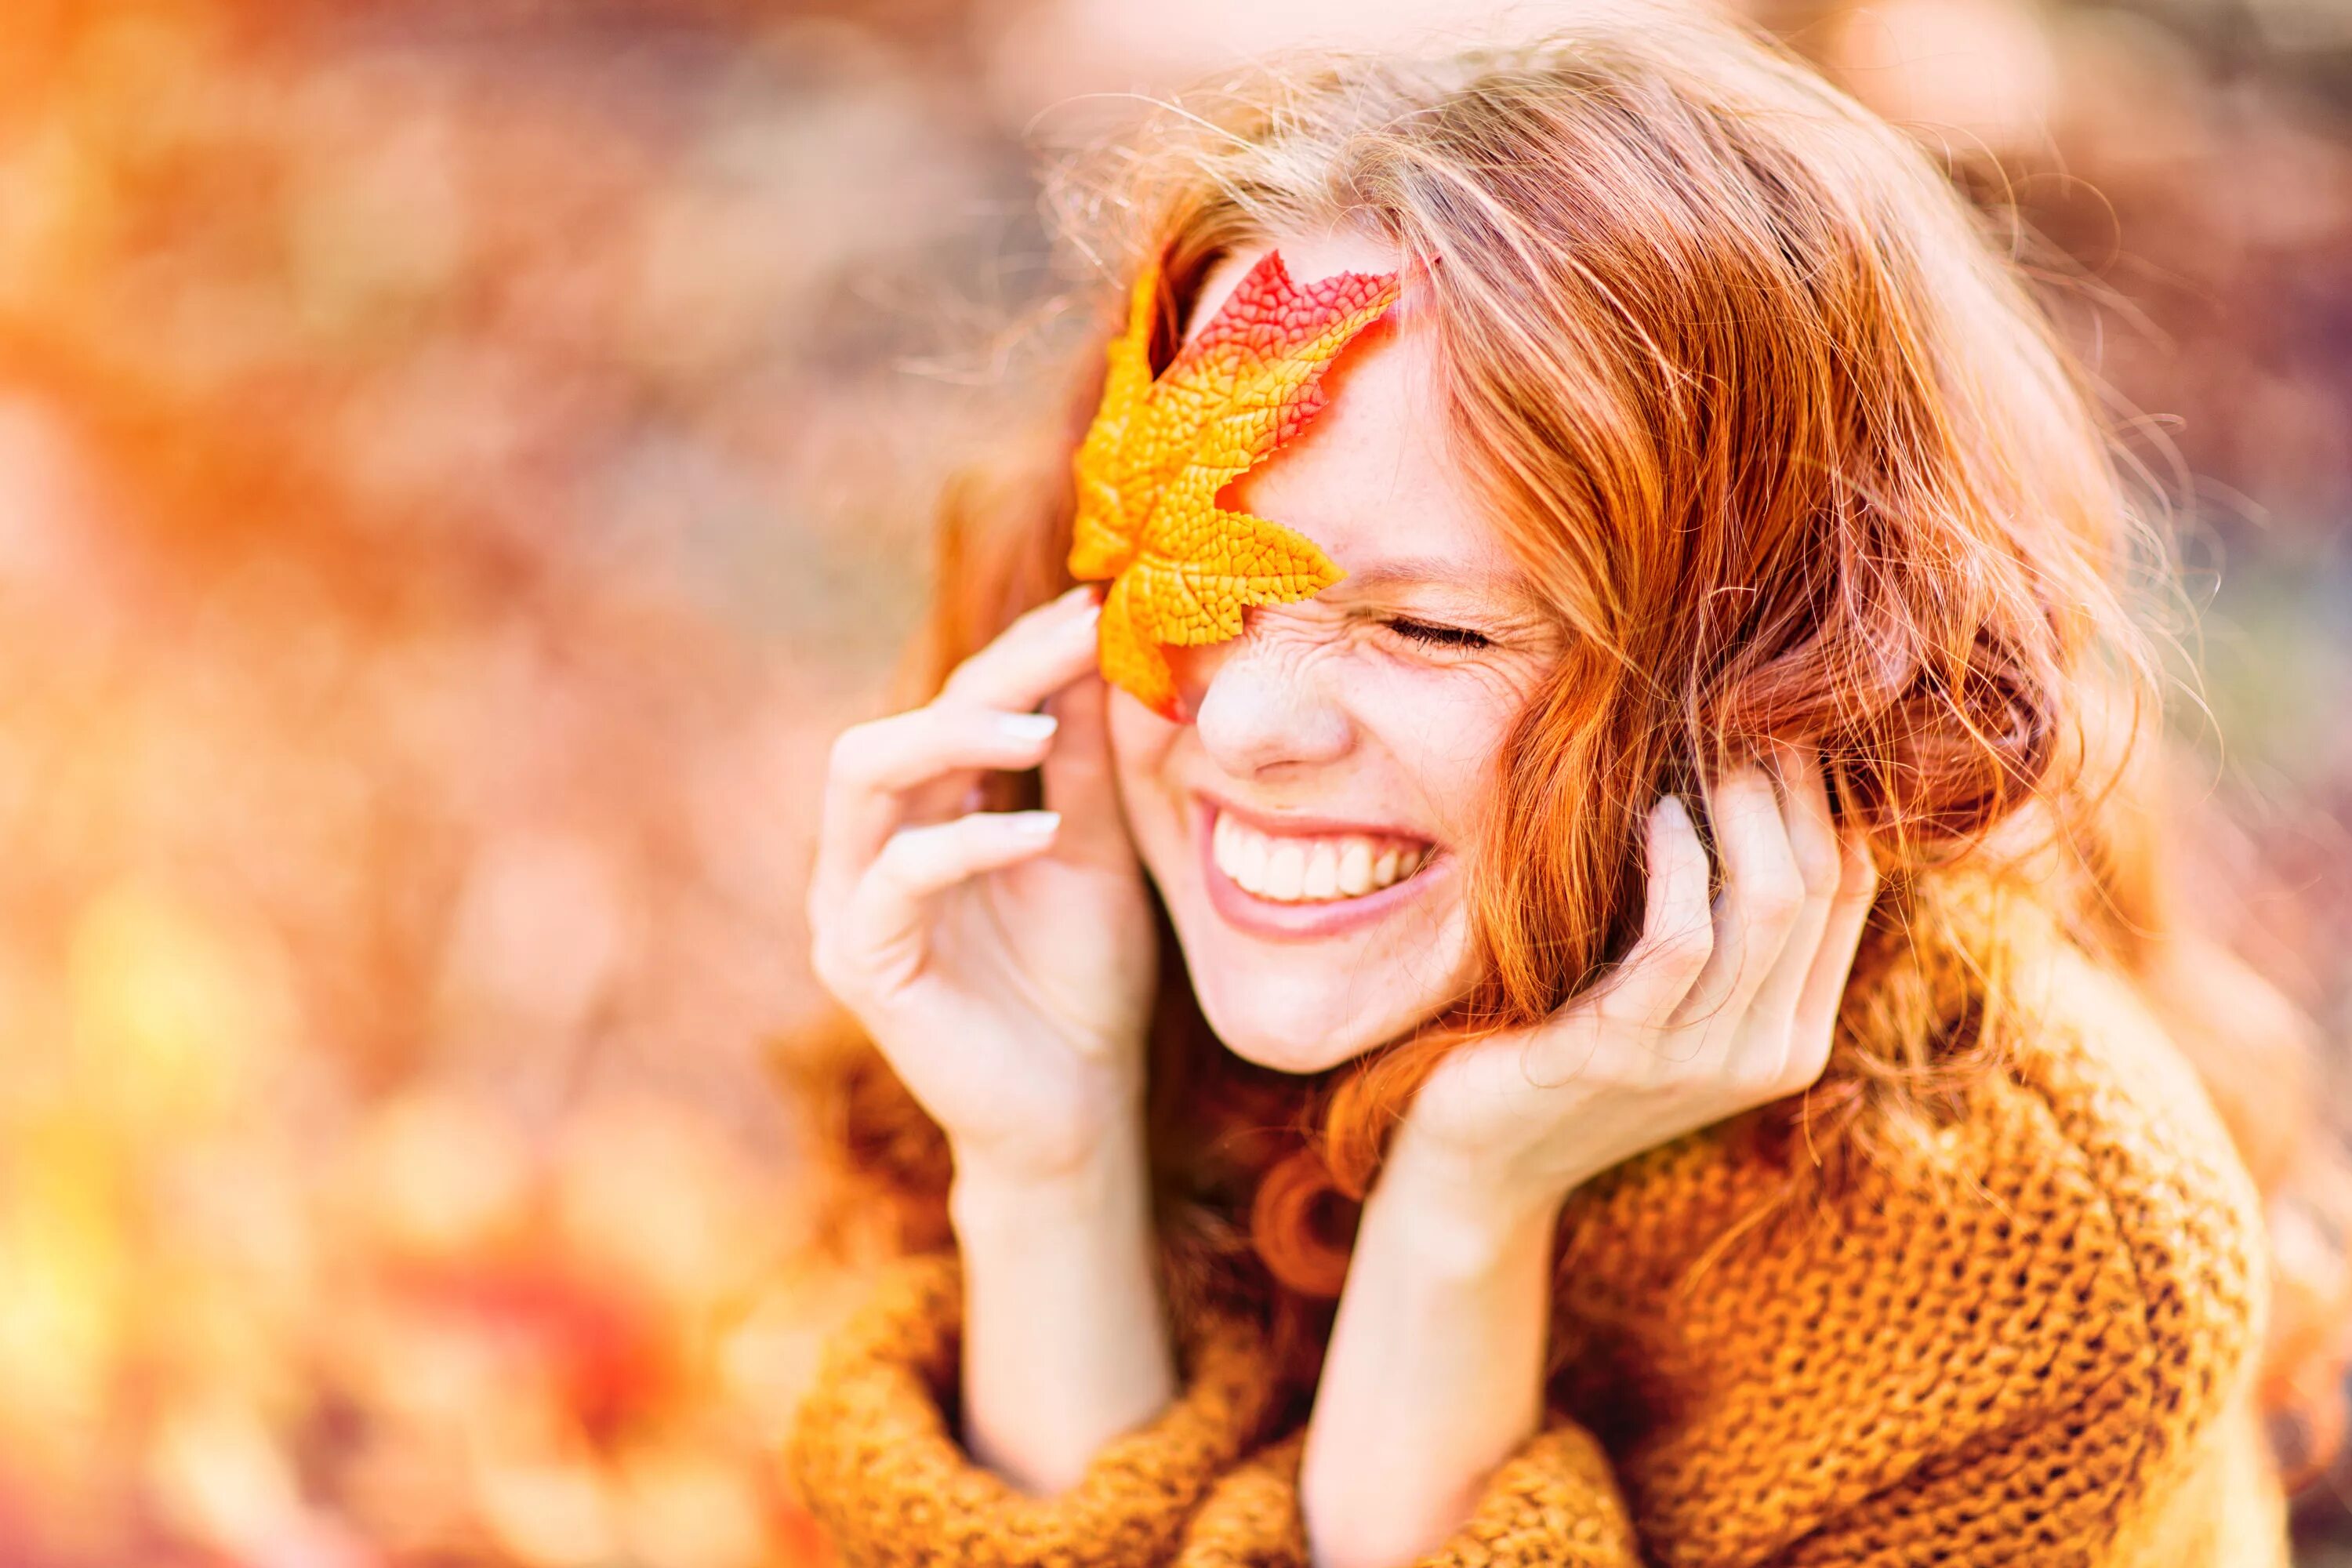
{"x": 1794, "y": 454}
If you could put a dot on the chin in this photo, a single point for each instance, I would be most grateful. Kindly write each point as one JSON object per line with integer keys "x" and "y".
{"x": 1282, "y": 1033}
{"x": 1302, "y": 984}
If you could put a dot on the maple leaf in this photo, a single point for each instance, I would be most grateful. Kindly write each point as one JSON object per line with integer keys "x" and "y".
{"x": 1160, "y": 452}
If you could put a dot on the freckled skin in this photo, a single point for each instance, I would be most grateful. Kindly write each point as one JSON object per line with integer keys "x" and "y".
{"x": 1320, "y": 708}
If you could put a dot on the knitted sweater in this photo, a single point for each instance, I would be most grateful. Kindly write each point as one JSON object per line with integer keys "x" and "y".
{"x": 2029, "y": 1342}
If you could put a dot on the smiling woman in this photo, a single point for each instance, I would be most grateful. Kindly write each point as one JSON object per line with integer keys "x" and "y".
{"x": 1620, "y": 764}
{"x": 1362, "y": 724}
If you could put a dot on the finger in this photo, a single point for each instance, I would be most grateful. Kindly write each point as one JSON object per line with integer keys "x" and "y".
{"x": 873, "y": 764}
{"x": 1079, "y": 779}
{"x": 1761, "y": 893}
{"x": 1677, "y": 937}
{"x": 1042, "y": 651}
{"x": 1825, "y": 982}
{"x": 1813, "y": 842}
{"x": 884, "y": 925}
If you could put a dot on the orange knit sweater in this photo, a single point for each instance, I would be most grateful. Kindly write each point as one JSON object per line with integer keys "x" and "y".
{"x": 2030, "y": 1343}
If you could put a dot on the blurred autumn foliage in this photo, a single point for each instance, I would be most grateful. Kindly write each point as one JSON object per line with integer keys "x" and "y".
{"x": 458, "y": 463}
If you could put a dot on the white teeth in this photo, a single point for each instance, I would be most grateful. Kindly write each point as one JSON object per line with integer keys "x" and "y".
{"x": 1251, "y": 862}
{"x": 1286, "y": 870}
{"x": 1322, "y": 871}
{"x": 1296, "y": 868}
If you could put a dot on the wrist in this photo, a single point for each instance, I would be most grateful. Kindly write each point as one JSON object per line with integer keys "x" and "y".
{"x": 1067, "y": 1134}
{"x": 1465, "y": 1221}
{"x": 1066, "y": 1338}
{"x": 1106, "y": 1177}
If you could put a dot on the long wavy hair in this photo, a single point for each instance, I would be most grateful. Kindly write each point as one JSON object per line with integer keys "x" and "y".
{"x": 1767, "y": 411}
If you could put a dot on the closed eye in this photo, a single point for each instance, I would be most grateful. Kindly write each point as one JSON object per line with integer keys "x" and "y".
{"x": 1436, "y": 636}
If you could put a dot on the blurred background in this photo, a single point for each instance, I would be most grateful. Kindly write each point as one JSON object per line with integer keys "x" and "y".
{"x": 459, "y": 463}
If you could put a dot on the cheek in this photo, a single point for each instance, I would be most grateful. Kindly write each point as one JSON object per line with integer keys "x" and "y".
{"x": 1446, "y": 728}
{"x": 1139, "y": 741}
{"x": 1141, "y": 745}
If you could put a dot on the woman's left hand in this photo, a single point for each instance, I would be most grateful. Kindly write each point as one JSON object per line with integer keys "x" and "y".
{"x": 1711, "y": 1011}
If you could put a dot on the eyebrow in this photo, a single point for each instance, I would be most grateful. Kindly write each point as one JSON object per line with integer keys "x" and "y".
{"x": 1409, "y": 570}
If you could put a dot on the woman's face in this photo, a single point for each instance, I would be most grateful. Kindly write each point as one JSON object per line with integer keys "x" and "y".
{"x": 1309, "y": 828}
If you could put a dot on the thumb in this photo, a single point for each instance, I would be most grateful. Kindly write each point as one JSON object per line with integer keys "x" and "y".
{"x": 1079, "y": 781}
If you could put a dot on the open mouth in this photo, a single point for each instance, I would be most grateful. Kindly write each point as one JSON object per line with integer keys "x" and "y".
{"x": 1315, "y": 879}
{"x": 1298, "y": 868}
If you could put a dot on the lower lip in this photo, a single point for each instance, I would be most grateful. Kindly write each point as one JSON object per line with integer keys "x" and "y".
{"x": 1244, "y": 910}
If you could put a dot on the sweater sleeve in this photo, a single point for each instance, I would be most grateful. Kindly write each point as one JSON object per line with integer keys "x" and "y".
{"x": 873, "y": 1453}
{"x": 1553, "y": 1502}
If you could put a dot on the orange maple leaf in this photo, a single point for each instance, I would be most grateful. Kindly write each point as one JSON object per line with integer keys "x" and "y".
{"x": 1159, "y": 453}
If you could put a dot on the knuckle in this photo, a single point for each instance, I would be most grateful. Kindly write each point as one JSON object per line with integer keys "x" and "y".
{"x": 1684, "y": 947}
{"x": 831, "y": 965}
{"x": 968, "y": 673}
{"x": 1817, "y": 868}
{"x": 1758, "y": 1073}
{"x": 899, "y": 854}
{"x": 1807, "y": 1062}
{"x": 1871, "y": 880}
{"x": 1778, "y": 900}
{"x": 1679, "y": 907}
{"x": 1685, "y": 1058}
{"x": 852, "y": 756}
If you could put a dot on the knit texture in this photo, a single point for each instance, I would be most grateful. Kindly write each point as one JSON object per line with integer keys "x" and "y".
{"x": 874, "y": 1444}
{"x": 1554, "y": 1501}
{"x": 2030, "y": 1341}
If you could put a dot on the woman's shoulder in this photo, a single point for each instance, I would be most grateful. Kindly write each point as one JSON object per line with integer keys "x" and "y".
{"x": 2077, "y": 1257}
{"x": 2110, "y": 1094}
{"x": 2113, "y": 1093}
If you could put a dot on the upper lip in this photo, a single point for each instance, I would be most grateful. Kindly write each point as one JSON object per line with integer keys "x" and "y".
{"x": 1281, "y": 823}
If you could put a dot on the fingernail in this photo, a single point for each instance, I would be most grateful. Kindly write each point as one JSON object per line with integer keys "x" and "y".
{"x": 1026, "y": 726}
{"x": 1033, "y": 824}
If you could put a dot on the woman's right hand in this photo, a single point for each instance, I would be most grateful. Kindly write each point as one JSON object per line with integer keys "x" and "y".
{"x": 1004, "y": 962}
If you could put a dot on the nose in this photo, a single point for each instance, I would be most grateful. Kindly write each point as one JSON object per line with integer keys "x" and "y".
{"x": 1263, "y": 702}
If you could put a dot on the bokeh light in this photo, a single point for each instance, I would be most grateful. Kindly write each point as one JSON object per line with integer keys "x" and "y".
{"x": 458, "y": 464}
